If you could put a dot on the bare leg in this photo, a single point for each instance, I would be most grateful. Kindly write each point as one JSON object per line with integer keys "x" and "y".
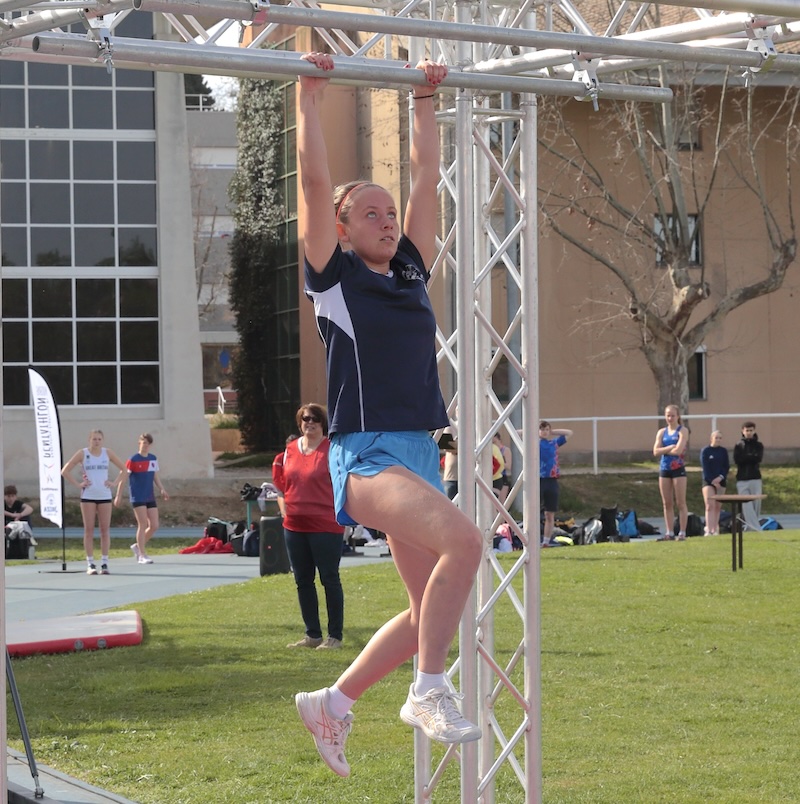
{"x": 88, "y": 512}
{"x": 152, "y": 527}
{"x": 679, "y": 486}
{"x": 104, "y": 523}
{"x": 665, "y": 487}
{"x": 437, "y": 551}
{"x": 140, "y": 512}
{"x": 549, "y": 524}
{"x": 712, "y": 509}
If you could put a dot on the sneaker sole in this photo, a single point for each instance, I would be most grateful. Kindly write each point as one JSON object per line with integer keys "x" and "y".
{"x": 300, "y": 700}
{"x": 410, "y": 720}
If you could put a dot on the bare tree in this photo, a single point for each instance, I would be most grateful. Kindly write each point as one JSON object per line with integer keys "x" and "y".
{"x": 637, "y": 205}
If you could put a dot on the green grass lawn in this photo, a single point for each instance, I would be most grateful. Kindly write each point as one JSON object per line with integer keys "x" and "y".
{"x": 665, "y": 678}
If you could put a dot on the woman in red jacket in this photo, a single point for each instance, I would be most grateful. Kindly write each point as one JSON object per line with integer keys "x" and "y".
{"x": 313, "y": 537}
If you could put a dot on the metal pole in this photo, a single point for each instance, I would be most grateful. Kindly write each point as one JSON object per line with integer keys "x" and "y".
{"x": 261, "y": 63}
{"x": 786, "y": 8}
{"x": 23, "y": 726}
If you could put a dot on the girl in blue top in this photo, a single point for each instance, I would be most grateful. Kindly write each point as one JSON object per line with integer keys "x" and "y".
{"x": 670, "y": 447}
{"x": 367, "y": 277}
{"x": 716, "y": 465}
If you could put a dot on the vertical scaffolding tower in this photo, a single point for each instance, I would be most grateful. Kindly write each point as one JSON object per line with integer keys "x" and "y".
{"x": 502, "y": 56}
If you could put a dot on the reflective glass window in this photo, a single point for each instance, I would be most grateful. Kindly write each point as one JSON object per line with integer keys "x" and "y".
{"x": 15, "y": 342}
{"x": 15, "y": 298}
{"x": 52, "y": 341}
{"x": 61, "y": 383}
{"x": 93, "y": 160}
{"x": 137, "y": 246}
{"x": 138, "y": 298}
{"x": 95, "y": 247}
{"x": 44, "y": 74}
{"x": 92, "y": 109}
{"x": 50, "y": 203}
{"x": 12, "y": 159}
{"x": 136, "y": 161}
{"x": 137, "y": 203}
{"x": 12, "y": 72}
{"x": 14, "y": 244}
{"x": 90, "y": 77}
{"x": 96, "y": 341}
{"x": 49, "y": 159}
{"x": 49, "y": 108}
{"x": 97, "y": 385}
{"x": 95, "y": 298}
{"x": 51, "y": 298}
{"x": 12, "y": 102}
{"x": 51, "y": 246}
{"x": 15, "y": 385}
{"x": 13, "y": 202}
{"x": 94, "y": 203}
{"x": 138, "y": 340}
{"x": 140, "y": 385}
{"x": 136, "y": 110}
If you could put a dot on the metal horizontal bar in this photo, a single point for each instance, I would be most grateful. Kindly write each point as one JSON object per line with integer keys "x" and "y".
{"x": 267, "y": 63}
{"x": 470, "y": 32}
{"x": 785, "y": 8}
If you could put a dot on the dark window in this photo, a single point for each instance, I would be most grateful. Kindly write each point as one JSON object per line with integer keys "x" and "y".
{"x": 137, "y": 203}
{"x": 97, "y": 385}
{"x": 95, "y": 247}
{"x": 138, "y": 341}
{"x": 138, "y": 298}
{"x": 12, "y": 158}
{"x": 12, "y": 102}
{"x": 15, "y": 298}
{"x": 93, "y": 160}
{"x": 135, "y": 110}
{"x": 50, "y": 203}
{"x": 696, "y": 253}
{"x": 15, "y": 342}
{"x": 696, "y": 371}
{"x": 136, "y": 161}
{"x": 95, "y": 298}
{"x": 97, "y": 341}
{"x": 48, "y": 108}
{"x": 51, "y": 298}
{"x": 44, "y": 74}
{"x": 140, "y": 385}
{"x": 49, "y": 159}
{"x": 15, "y": 386}
{"x": 94, "y": 203}
{"x": 137, "y": 247}
{"x": 52, "y": 342}
{"x": 51, "y": 246}
{"x": 14, "y": 245}
{"x": 14, "y": 202}
{"x": 90, "y": 77}
{"x": 61, "y": 383}
{"x": 12, "y": 72}
{"x": 92, "y": 109}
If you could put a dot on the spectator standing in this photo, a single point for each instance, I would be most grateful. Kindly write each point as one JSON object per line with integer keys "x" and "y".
{"x": 670, "y": 449}
{"x": 549, "y": 471}
{"x": 313, "y": 536}
{"x": 143, "y": 479}
{"x": 95, "y": 488}
{"x": 505, "y": 479}
{"x": 378, "y": 325}
{"x": 450, "y": 467}
{"x": 747, "y": 455}
{"x": 715, "y": 465}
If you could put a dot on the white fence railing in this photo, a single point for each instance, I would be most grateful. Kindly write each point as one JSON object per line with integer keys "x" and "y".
{"x": 712, "y": 418}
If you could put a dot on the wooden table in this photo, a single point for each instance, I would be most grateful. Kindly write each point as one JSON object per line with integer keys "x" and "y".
{"x": 737, "y": 501}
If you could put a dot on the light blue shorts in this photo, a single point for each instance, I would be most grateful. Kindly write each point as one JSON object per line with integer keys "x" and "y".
{"x": 370, "y": 453}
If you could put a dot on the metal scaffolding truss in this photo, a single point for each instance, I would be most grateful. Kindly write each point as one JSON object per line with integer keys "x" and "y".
{"x": 502, "y": 56}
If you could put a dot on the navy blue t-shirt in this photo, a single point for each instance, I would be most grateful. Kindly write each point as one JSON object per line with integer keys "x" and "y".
{"x": 379, "y": 332}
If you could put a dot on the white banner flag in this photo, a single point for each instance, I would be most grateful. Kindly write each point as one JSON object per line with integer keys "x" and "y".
{"x": 48, "y": 438}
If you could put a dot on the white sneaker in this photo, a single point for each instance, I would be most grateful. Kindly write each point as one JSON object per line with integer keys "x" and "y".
{"x": 330, "y": 733}
{"x": 438, "y": 716}
{"x": 143, "y": 559}
{"x": 136, "y": 552}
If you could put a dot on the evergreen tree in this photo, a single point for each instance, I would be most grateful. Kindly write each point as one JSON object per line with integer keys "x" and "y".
{"x": 255, "y": 251}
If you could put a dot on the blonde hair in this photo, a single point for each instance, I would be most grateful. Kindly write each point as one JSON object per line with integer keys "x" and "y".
{"x": 677, "y": 411}
{"x": 343, "y": 197}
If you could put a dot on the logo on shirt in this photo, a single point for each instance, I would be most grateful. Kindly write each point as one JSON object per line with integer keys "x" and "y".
{"x": 410, "y": 272}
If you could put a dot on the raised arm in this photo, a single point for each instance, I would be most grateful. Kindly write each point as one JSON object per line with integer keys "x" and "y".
{"x": 421, "y": 216}
{"x": 316, "y": 202}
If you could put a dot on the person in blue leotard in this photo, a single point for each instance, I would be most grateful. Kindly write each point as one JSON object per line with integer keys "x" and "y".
{"x": 670, "y": 448}
{"x": 367, "y": 277}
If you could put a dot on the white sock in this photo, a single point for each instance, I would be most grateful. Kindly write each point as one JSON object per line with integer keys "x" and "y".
{"x": 90, "y": 559}
{"x": 104, "y": 560}
{"x": 425, "y": 682}
{"x": 338, "y": 703}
